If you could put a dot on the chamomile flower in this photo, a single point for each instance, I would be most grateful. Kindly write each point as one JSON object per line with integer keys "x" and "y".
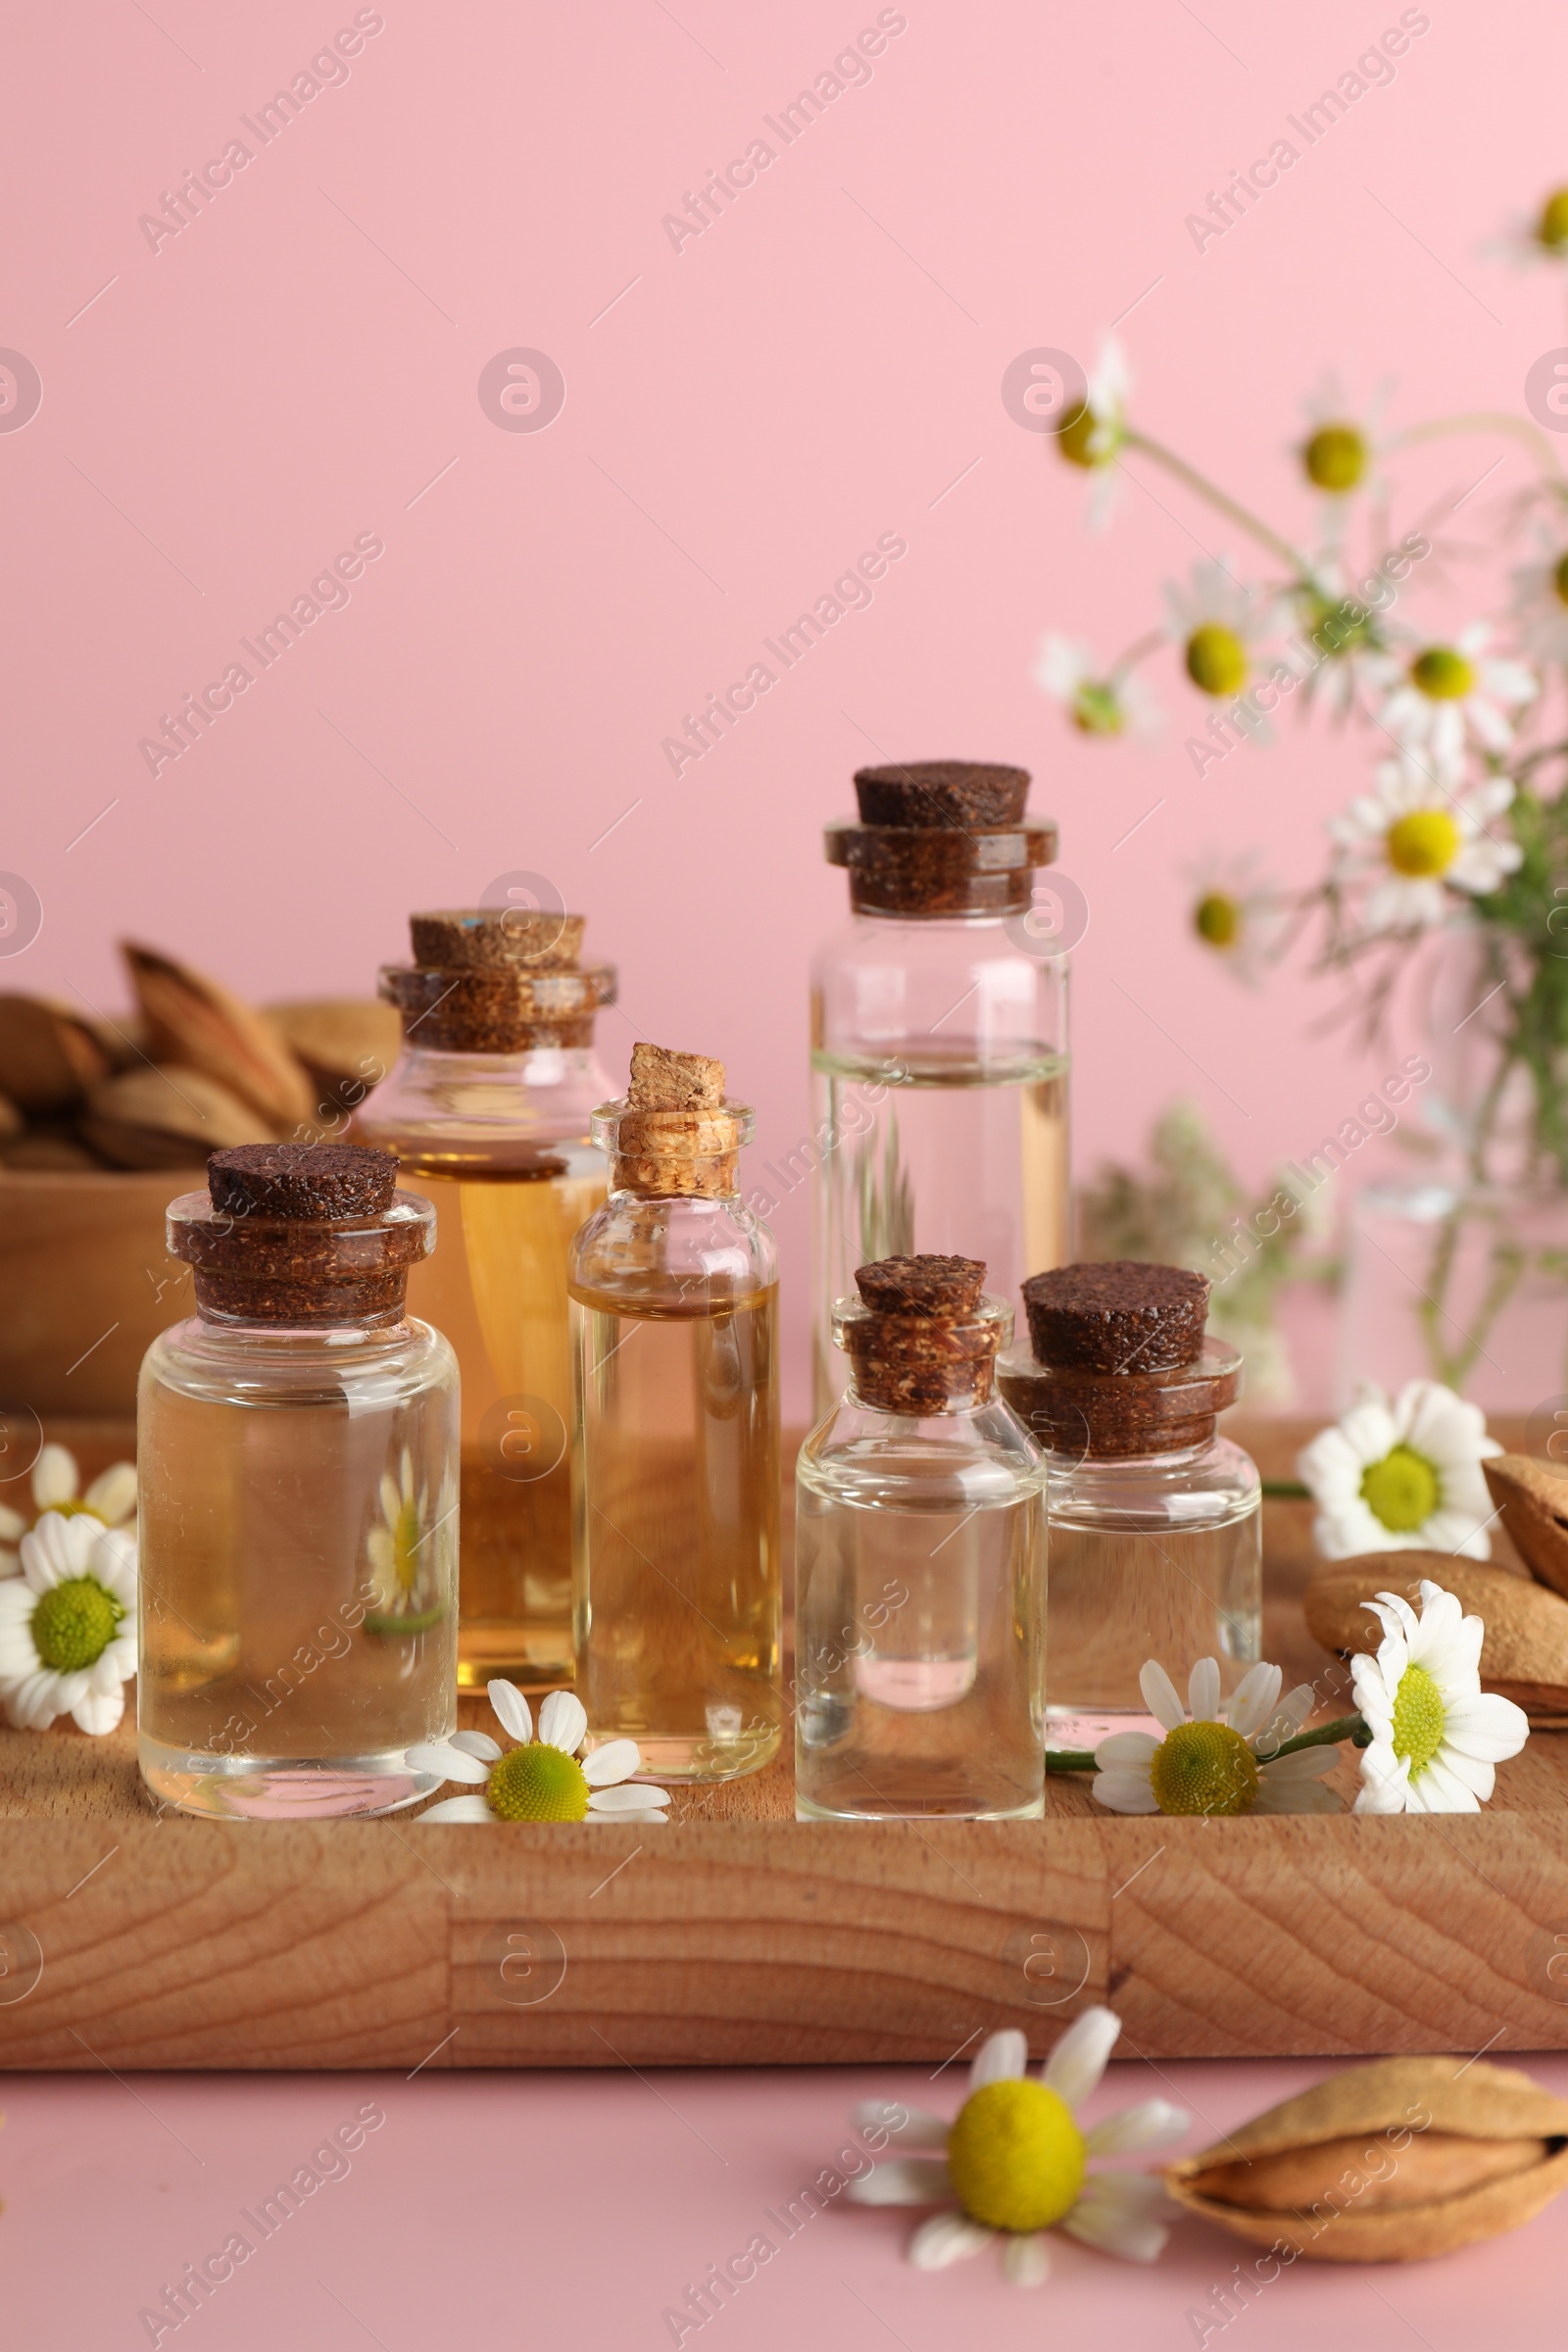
{"x": 1093, "y": 437}
{"x": 68, "y": 1625}
{"x": 1097, "y": 702}
{"x": 1442, "y": 696}
{"x": 1016, "y": 2160}
{"x": 1340, "y": 451}
{"x": 407, "y": 1551}
{"x": 1542, "y": 236}
{"x": 1341, "y": 639}
{"x": 1222, "y": 1761}
{"x": 1540, "y": 604}
{"x": 111, "y": 1500}
{"x": 1216, "y": 620}
{"x": 539, "y": 1780}
{"x": 1419, "y": 835}
{"x": 1437, "y": 1736}
{"x": 1398, "y": 1474}
{"x": 1236, "y": 913}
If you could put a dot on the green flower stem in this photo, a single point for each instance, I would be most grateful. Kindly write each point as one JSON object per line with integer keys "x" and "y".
{"x": 1136, "y": 653}
{"x": 1285, "y": 1490}
{"x": 1480, "y": 420}
{"x": 1327, "y": 1735}
{"x": 1203, "y": 487}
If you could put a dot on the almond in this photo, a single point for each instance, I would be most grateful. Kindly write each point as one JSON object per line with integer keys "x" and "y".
{"x": 1526, "y": 1654}
{"x": 48, "y": 1058}
{"x": 200, "y": 1025}
{"x": 347, "y": 1044}
{"x": 167, "y": 1117}
{"x": 1387, "y": 2163}
{"x": 1533, "y": 1498}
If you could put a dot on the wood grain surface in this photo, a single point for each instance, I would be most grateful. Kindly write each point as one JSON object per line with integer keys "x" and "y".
{"x": 735, "y": 1934}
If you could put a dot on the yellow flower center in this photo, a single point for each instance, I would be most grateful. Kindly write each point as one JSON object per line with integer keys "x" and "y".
{"x": 1424, "y": 843}
{"x": 1095, "y": 710}
{"x": 1553, "y": 228}
{"x": 1204, "y": 1768}
{"x": 1418, "y": 1719}
{"x": 73, "y": 1623}
{"x": 1559, "y": 579}
{"x": 1216, "y": 659}
{"x": 1086, "y": 439}
{"x": 1402, "y": 1490}
{"x": 1015, "y": 2157}
{"x": 538, "y": 1783}
{"x": 1442, "y": 674}
{"x": 73, "y": 1510}
{"x": 1217, "y": 919}
{"x": 1335, "y": 458}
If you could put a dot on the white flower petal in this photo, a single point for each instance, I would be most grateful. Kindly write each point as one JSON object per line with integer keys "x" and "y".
{"x": 1133, "y": 1748}
{"x": 58, "y": 1548}
{"x": 1305, "y": 1764}
{"x": 945, "y": 2238}
{"x": 512, "y": 1710}
{"x": 628, "y": 1798}
{"x": 1160, "y": 1695}
{"x": 1469, "y": 1770}
{"x": 918, "y": 2128}
{"x": 902, "y": 2181}
{"x": 1080, "y": 2057}
{"x": 448, "y": 1762}
{"x": 1385, "y": 1780}
{"x": 53, "y": 1476}
{"x": 1121, "y": 1790}
{"x": 1114, "y": 2214}
{"x": 1001, "y": 2058}
{"x": 458, "y": 1808}
{"x": 617, "y": 1760}
{"x": 1253, "y": 1699}
{"x": 1155, "y": 2123}
{"x": 112, "y": 1494}
{"x": 563, "y": 1722}
{"x": 12, "y": 1524}
{"x": 477, "y": 1744}
{"x": 1437, "y": 1789}
{"x": 99, "y": 1711}
{"x": 1486, "y": 1727}
{"x": 1296, "y": 1797}
{"x": 1026, "y": 2259}
{"x": 1202, "y": 1690}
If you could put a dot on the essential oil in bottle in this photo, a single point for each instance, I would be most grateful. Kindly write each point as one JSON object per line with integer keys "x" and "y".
{"x": 1154, "y": 1516}
{"x": 488, "y": 1111}
{"x": 921, "y": 1565}
{"x": 675, "y": 1459}
{"x": 298, "y": 1503}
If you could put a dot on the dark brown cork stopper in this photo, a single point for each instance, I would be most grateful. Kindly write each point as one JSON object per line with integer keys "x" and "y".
{"x": 940, "y": 866}
{"x": 487, "y": 938}
{"x": 1113, "y": 1415}
{"x": 302, "y": 1180}
{"x": 499, "y": 1008}
{"x": 942, "y": 792}
{"x": 1122, "y": 1316}
{"x": 925, "y": 1338}
{"x": 922, "y": 1286}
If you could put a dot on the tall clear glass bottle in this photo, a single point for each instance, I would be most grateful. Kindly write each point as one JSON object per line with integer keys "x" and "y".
{"x": 488, "y": 1111}
{"x": 297, "y": 1466}
{"x": 921, "y": 1565}
{"x": 675, "y": 1446}
{"x": 938, "y": 1041}
{"x": 1156, "y": 1548}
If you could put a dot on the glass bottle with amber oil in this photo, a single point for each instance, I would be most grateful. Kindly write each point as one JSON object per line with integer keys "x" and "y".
{"x": 1154, "y": 1516}
{"x": 939, "y": 1040}
{"x": 488, "y": 1111}
{"x": 921, "y": 1565}
{"x": 675, "y": 1460}
{"x": 297, "y": 1472}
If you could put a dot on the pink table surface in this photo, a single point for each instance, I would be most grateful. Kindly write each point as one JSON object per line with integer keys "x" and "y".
{"x": 573, "y": 2210}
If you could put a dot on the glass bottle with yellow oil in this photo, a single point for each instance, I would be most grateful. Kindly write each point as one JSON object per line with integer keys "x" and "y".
{"x": 675, "y": 1446}
{"x": 488, "y": 1111}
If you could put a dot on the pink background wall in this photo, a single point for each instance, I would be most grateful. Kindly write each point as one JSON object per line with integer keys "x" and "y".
{"x": 300, "y": 366}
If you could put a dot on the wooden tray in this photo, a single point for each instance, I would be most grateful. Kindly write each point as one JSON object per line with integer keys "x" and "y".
{"x": 737, "y": 1935}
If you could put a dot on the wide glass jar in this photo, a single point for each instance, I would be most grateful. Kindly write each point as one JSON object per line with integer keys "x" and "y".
{"x": 675, "y": 1434}
{"x": 921, "y": 1565}
{"x": 1156, "y": 1548}
{"x": 297, "y": 1471}
{"x": 488, "y": 1111}
{"x": 939, "y": 1042}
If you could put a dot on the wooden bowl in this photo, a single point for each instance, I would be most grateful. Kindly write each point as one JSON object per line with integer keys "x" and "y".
{"x": 85, "y": 1284}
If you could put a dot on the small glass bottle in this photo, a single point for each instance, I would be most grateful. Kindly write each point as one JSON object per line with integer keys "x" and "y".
{"x": 938, "y": 1041}
{"x": 488, "y": 1110}
{"x": 297, "y": 1471}
{"x": 676, "y": 1442}
{"x": 1156, "y": 1549}
{"x": 921, "y": 1565}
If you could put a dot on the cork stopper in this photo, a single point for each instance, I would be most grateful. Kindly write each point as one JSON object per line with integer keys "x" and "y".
{"x": 301, "y": 1235}
{"x": 923, "y": 1336}
{"x": 968, "y": 793}
{"x": 1120, "y": 1316}
{"x": 302, "y": 1180}
{"x": 676, "y": 1133}
{"x": 491, "y": 938}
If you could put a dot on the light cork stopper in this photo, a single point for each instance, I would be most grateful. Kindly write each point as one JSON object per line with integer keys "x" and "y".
{"x": 496, "y": 938}
{"x": 676, "y": 1135}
